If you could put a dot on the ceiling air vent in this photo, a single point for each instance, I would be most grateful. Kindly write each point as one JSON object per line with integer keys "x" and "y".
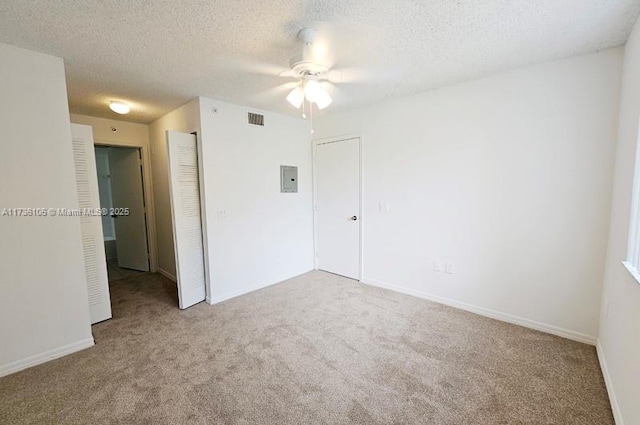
{"x": 256, "y": 119}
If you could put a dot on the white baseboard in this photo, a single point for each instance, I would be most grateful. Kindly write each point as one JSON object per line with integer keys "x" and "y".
{"x": 617, "y": 415}
{"x": 167, "y": 274}
{"x": 225, "y": 297}
{"x": 19, "y": 365}
{"x": 494, "y": 314}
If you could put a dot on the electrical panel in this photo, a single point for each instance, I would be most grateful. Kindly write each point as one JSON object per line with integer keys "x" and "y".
{"x": 288, "y": 179}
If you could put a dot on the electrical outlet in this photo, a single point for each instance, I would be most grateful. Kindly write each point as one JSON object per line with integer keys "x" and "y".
{"x": 383, "y": 207}
{"x": 437, "y": 266}
{"x": 449, "y": 267}
{"x": 222, "y": 214}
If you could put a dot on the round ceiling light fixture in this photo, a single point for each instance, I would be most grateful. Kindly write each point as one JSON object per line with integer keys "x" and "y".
{"x": 119, "y": 107}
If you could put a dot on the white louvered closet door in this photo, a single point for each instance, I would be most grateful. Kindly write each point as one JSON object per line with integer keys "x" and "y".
{"x": 185, "y": 210}
{"x": 95, "y": 263}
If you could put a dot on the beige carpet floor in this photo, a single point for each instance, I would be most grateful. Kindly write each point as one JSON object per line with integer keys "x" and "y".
{"x": 317, "y": 349}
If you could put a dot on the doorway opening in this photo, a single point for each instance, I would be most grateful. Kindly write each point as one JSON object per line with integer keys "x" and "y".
{"x": 124, "y": 226}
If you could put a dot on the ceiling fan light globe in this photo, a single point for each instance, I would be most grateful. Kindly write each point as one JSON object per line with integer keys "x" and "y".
{"x": 324, "y": 100}
{"x": 313, "y": 91}
{"x": 296, "y": 97}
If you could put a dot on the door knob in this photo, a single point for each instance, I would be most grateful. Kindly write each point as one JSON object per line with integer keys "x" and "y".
{"x": 354, "y": 218}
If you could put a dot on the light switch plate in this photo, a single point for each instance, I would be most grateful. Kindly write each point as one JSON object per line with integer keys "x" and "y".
{"x": 449, "y": 267}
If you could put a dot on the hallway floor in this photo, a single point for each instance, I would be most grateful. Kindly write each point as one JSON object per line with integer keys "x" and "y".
{"x": 116, "y": 272}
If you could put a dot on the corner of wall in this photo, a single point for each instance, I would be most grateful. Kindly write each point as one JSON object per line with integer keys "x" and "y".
{"x": 617, "y": 414}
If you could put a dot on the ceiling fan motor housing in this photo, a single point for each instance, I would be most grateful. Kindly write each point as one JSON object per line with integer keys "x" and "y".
{"x": 306, "y": 68}
{"x": 307, "y": 35}
{"x": 304, "y": 64}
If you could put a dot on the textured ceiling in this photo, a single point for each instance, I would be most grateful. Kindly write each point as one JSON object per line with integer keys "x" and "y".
{"x": 159, "y": 54}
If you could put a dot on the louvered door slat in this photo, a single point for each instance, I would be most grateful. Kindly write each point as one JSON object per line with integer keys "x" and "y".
{"x": 95, "y": 263}
{"x": 187, "y": 224}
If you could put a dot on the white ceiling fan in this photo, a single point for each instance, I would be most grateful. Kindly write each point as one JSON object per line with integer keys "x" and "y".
{"x": 310, "y": 72}
{"x": 316, "y": 79}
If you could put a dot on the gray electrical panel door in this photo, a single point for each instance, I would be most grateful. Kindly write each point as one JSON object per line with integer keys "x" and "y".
{"x": 288, "y": 179}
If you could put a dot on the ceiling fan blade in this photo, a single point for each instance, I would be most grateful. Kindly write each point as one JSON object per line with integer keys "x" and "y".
{"x": 334, "y": 90}
{"x": 245, "y": 65}
{"x": 274, "y": 93}
{"x": 288, "y": 73}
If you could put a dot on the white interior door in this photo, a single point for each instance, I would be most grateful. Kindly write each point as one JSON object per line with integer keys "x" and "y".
{"x": 125, "y": 168}
{"x": 95, "y": 263}
{"x": 185, "y": 210}
{"x": 337, "y": 172}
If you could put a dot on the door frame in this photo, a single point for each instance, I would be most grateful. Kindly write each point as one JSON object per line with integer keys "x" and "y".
{"x": 336, "y": 139}
{"x": 147, "y": 193}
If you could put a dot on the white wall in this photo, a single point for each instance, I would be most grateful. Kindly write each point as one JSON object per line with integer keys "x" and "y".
{"x": 267, "y": 236}
{"x": 509, "y": 177}
{"x": 187, "y": 120}
{"x": 127, "y": 133}
{"x": 619, "y": 338}
{"x": 44, "y": 310}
